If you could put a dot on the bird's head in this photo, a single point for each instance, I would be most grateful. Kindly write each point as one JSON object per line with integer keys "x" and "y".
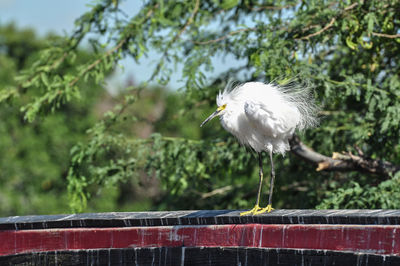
{"x": 226, "y": 102}
{"x": 220, "y": 111}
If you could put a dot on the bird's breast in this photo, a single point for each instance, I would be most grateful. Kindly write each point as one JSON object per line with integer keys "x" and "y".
{"x": 240, "y": 126}
{"x": 249, "y": 134}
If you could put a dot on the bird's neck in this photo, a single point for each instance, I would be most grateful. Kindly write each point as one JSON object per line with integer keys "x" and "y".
{"x": 230, "y": 121}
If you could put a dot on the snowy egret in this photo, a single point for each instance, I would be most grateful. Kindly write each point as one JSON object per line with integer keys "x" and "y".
{"x": 263, "y": 117}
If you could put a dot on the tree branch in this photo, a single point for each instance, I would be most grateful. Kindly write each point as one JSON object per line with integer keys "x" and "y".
{"x": 260, "y": 8}
{"x": 327, "y": 26}
{"x": 189, "y": 21}
{"x": 176, "y": 37}
{"x": 98, "y": 61}
{"x": 342, "y": 161}
{"x": 217, "y": 191}
{"x": 224, "y": 37}
{"x": 394, "y": 36}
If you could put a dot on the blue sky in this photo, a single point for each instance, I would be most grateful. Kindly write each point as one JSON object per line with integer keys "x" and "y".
{"x": 58, "y": 16}
{"x": 42, "y": 15}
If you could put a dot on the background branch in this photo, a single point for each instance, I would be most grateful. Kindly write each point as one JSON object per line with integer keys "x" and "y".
{"x": 390, "y": 36}
{"x": 342, "y": 161}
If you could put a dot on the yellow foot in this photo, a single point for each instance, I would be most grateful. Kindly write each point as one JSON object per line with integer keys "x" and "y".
{"x": 252, "y": 211}
{"x": 267, "y": 209}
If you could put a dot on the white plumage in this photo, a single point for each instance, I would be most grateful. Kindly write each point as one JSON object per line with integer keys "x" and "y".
{"x": 263, "y": 117}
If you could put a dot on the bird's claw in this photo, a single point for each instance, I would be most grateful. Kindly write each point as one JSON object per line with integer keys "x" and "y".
{"x": 267, "y": 209}
{"x": 257, "y": 210}
{"x": 252, "y": 211}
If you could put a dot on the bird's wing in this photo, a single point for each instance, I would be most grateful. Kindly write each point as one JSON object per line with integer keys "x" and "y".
{"x": 266, "y": 120}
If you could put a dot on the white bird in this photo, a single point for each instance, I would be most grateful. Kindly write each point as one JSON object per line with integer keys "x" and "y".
{"x": 264, "y": 117}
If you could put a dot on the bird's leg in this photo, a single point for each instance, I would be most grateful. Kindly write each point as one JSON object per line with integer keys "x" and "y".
{"x": 257, "y": 206}
{"x": 271, "y": 188}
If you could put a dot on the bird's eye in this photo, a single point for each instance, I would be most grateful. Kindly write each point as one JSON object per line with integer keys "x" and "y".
{"x": 222, "y": 107}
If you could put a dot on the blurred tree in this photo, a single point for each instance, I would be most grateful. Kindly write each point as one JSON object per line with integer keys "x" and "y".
{"x": 34, "y": 160}
{"x": 349, "y": 50}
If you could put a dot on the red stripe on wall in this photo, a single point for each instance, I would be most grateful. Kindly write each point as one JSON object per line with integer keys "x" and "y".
{"x": 378, "y": 239}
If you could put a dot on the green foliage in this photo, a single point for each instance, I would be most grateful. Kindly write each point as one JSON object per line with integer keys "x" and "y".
{"x": 105, "y": 160}
{"x": 35, "y": 156}
{"x": 190, "y": 169}
{"x": 386, "y": 195}
{"x": 349, "y": 50}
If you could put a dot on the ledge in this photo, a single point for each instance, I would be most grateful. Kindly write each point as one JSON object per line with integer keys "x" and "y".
{"x": 205, "y": 217}
{"x": 309, "y": 237}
